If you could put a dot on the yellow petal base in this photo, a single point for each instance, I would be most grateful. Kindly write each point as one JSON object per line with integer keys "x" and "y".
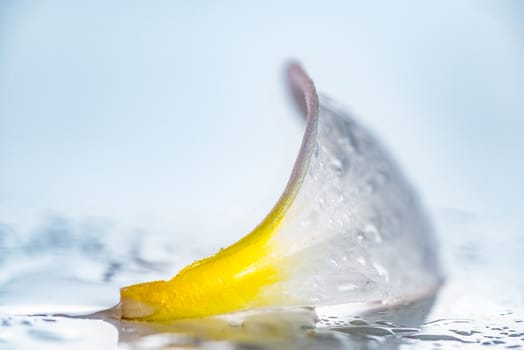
{"x": 244, "y": 275}
{"x": 233, "y": 279}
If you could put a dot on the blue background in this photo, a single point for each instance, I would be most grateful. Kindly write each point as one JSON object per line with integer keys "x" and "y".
{"x": 174, "y": 116}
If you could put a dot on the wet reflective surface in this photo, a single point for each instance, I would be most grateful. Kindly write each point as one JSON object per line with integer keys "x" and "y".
{"x": 49, "y": 273}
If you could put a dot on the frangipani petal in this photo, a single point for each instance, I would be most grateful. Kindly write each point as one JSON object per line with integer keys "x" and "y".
{"x": 347, "y": 229}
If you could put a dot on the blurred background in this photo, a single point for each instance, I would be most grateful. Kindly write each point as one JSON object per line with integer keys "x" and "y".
{"x": 169, "y": 121}
{"x": 178, "y": 111}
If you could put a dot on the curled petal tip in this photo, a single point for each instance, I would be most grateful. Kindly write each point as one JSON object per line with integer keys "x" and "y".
{"x": 303, "y": 89}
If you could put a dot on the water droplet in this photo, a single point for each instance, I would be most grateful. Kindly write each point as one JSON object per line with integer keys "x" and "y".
{"x": 365, "y": 330}
{"x": 359, "y": 323}
{"x": 465, "y": 333}
{"x": 316, "y": 153}
{"x": 372, "y": 231}
{"x": 381, "y": 270}
{"x": 336, "y": 164}
{"x": 404, "y": 330}
{"x": 434, "y": 337}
